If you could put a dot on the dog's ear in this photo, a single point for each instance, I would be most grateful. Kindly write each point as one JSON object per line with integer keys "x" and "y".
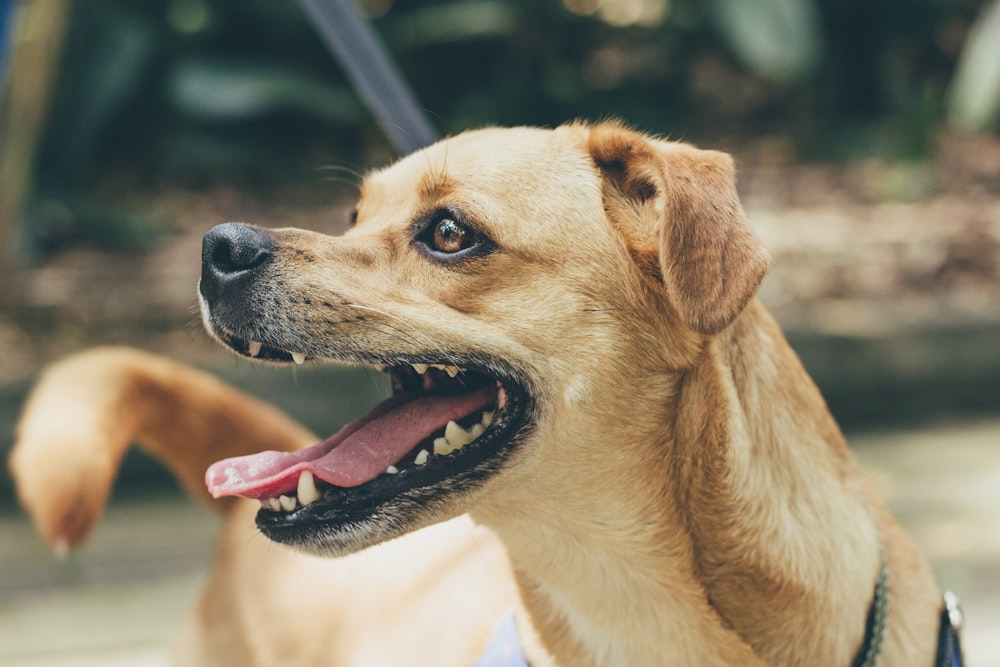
{"x": 677, "y": 208}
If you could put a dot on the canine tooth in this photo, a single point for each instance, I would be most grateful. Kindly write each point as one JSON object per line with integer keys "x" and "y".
{"x": 253, "y": 348}
{"x": 420, "y": 368}
{"x": 271, "y": 504}
{"x": 442, "y": 447}
{"x": 307, "y": 491}
{"x": 456, "y": 435}
{"x": 298, "y": 358}
{"x": 287, "y": 503}
{"x": 487, "y": 418}
{"x": 452, "y": 371}
{"x": 392, "y": 470}
{"x": 422, "y": 457}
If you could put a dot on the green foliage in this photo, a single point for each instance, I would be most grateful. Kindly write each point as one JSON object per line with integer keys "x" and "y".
{"x": 199, "y": 91}
{"x": 778, "y": 40}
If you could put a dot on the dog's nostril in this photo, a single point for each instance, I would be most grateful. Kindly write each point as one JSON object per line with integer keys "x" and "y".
{"x": 232, "y": 248}
{"x": 230, "y": 259}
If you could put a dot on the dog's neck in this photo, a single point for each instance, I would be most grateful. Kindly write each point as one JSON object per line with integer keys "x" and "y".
{"x": 715, "y": 559}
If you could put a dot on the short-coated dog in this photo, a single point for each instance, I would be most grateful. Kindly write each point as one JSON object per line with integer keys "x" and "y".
{"x": 594, "y": 427}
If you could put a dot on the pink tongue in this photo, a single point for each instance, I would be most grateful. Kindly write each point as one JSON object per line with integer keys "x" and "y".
{"x": 361, "y": 451}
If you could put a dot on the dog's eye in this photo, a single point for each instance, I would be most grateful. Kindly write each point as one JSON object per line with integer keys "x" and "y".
{"x": 450, "y": 236}
{"x": 445, "y": 236}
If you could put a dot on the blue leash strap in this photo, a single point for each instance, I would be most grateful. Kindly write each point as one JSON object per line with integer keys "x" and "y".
{"x": 504, "y": 649}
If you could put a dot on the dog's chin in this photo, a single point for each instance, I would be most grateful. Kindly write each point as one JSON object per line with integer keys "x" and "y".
{"x": 331, "y": 527}
{"x": 428, "y": 484}
{"x": 342, "y": 521}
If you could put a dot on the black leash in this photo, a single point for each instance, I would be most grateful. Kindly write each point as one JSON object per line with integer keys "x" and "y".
{"x": 372, "y": 73}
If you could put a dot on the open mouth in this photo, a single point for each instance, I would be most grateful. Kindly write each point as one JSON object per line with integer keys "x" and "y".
{"x": 444, "y": 431}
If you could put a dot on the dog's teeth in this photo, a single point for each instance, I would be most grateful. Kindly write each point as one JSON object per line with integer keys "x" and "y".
{"x": 487, "y": 418}
{"x": 420, "y": 368}
{"x": 253, "y": 348}
{"x": 298, "y": 358}
{"x": 392, "y": 470}
{"x": 452, "y": 371}
{"x": 442, "y": 447}
{"x": 287, "y": 503}
{"x": 456, "y": 435}
{"x": 271, "y": 504}
{"x": 422, "y": 457}
{"x": 477, "y": 430}
{"x": 307, "y": 491}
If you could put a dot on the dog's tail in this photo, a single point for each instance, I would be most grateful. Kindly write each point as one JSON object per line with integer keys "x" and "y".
{"x": 86, "y": 411}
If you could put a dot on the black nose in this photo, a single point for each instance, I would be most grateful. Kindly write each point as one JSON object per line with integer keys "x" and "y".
{"x": 230, "y": 253}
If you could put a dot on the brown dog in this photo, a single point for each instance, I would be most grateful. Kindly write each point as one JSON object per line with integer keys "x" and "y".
{"x": 579, "y": 364}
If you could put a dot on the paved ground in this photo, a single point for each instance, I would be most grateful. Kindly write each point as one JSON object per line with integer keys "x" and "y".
{"x": 119, "y": 601}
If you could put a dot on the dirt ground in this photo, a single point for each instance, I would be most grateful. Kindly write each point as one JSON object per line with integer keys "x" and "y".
{"x": 862, "y": 246}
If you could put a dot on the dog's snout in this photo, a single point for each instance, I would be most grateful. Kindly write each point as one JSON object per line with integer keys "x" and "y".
{"x": 230, "y": 254}
{"x": 232, "y": 248}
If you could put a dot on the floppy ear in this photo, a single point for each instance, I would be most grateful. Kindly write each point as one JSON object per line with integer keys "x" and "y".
{"x": 676, "y": 207}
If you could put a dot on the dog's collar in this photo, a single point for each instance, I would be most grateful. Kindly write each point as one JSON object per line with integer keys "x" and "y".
{"x": 949, "y": 650}
{"x": 875, "y": 626}
{"x": 504, "y": 649}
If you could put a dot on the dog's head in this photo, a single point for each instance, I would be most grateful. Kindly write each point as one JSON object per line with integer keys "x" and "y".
{"x": 519, "y": 285}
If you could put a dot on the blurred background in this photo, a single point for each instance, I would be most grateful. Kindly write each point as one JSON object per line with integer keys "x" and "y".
{"x": 867, "y": 137}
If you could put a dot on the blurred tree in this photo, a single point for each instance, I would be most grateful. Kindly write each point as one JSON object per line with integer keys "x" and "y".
{"x": 27, "y": 64}
{"x": 200, "y": 91}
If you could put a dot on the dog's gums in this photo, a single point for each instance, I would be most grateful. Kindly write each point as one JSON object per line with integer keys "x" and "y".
{"x": 444, "y": 428}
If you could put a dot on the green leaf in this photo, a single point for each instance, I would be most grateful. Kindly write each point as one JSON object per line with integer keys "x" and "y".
{"x": 776, "y": 39}
{"x": 456, "y": 22}
{"x": 232, "y": 92}
{"x": 974, "y": 98}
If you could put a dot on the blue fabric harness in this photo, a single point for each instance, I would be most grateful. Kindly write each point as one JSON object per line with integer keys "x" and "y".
{"x": 504, "y": 649}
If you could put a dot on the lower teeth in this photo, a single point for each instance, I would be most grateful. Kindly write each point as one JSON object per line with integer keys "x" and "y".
{"x": 455, "y": 438}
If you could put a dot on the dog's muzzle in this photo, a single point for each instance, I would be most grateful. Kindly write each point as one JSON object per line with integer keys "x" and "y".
{"x": 231, "y": 255}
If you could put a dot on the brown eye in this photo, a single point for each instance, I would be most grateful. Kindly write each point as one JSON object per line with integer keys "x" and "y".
{"x": 451, "y": 237}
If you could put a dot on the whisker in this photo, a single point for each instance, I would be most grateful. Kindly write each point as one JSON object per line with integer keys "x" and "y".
{"x": 383, "y": 329}
{"x": 429, "y": 341}
{"x": 342, "y": 168}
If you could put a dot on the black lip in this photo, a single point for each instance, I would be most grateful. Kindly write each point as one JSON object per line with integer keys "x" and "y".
{"x": 345, "y": 520}
{"x": 241, "y": 346}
